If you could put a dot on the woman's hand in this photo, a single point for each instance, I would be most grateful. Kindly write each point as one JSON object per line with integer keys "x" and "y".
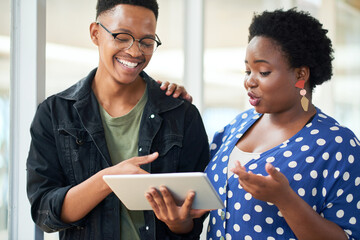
{"x": 272, "y": 188}
{"x": 179, "y": 219}
{"x": 175, "y": 90}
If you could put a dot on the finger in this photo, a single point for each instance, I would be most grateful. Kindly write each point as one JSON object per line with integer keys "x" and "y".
{"x": 144, "y": 159}
{"x": 271, "y": 170}
{"x": 152, "y": 203}
{"x": 171, "y": 88}
{"x": 164, "y": 85}
{"x": 186, "y": 207}
{"x": 179, "y": 91}
{"x": 159, "y": 201}
{"x": 159, "y": 82}
{"x": 238, "y": 169}
{"x": 187, "y": 97}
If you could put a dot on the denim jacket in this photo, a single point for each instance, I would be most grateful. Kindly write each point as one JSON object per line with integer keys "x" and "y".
{"x": 68, "y": 146}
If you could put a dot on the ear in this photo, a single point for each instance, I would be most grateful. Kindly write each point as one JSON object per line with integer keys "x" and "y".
{"x": 94, "y": 33}
{"x": 303, "y": 73}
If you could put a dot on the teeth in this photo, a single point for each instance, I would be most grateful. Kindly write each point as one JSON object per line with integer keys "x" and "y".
{"x": 128, "y": 64}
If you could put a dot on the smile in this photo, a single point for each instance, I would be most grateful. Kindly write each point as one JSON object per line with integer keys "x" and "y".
{"x": 127, "y": 63}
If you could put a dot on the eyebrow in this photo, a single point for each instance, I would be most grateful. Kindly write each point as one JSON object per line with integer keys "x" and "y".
{"x": 258, "y": 61}
{"x": 122, "y": 30}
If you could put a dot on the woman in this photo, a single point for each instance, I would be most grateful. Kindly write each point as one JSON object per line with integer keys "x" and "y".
{"x": 285, "y": 169}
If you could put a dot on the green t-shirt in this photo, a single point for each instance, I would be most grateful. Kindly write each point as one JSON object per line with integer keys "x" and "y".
{"x": 122, "y": 136}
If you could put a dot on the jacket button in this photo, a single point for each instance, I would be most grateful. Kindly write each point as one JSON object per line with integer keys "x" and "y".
{"x": 140, "y": 149}
{"x": 152, "y": 116}
{"x": 147, "y": 228}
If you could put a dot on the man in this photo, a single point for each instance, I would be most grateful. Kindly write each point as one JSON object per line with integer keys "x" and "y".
{"x": 114, "y": 121}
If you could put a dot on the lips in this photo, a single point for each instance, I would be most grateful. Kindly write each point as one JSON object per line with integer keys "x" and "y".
{"x": 254, "y": 100}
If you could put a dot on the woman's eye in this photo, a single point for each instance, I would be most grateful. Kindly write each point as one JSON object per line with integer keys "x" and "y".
{"x": 247, "y": 72}
{"x": 264, "y": 74}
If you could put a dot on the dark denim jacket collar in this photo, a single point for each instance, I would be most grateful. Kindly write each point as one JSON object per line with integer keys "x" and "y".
{"x": 81, "y": 91}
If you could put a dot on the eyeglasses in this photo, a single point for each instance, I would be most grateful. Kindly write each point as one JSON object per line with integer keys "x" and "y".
{"x": 124, "y": 41}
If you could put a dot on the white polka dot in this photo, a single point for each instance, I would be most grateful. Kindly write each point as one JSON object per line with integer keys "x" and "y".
{"x": 221, "y": 191}
{"x": 269, "y": 220}
{"x": 336, "y": 174}
{"x": 320, "y": 142}
{"x": 340, "y": 213}
{"x": 299, "y": 139}
{"x": 279, "y": 214}
{"x": 287, "y": 154}
{"x": 310, "y": 159}
{"x": 215, "y": 158}
{"x": 352, "y": 143}
{"x": 305, "y": 148}
{"x": 349, "y": 198}
{"x": 228, "y": 236}
{"x": 292, "y": 164}
{"x": 213, "y": 220}
{"x": 213, "y": 146}
{"x": 225, "y": 170}
{"x": 225, "y": 158}
{"x": 233, "y": 130}
{"x": 338, "y": 139}
{"x": 230, "y": 194}
{"x": 253, "y": 166}
{"x": 218, "y": 233}
{"x": 329, "y": 205}
{"x": 246, "y": 217}
{"x": 221, "y": 130}
{"x": 270, "y": 238}
{"x": 257, "y": 228}
{"x": 308, "y": 125}
{"x": 270, "y": 159}
{"x": 325, "y": 156}
{"x": 322, "y": 115}
{"x": 213, "y": 167}
{"x": 297, "y": 177}
{"x": 315, "y": 131}
{"x": 247, "y": 237}
{"x": 238, "y": 135}
{"x": 358, "y": 205}
{"x": 339, "y": 192}
{"x": 357, "y": 181}
{"x": 237, "y": 206}
{"x": 228, "y": 215}
{"x": 216, "y": 178}
{"x": 280, "y": 231}
{"x": 314, "y": 174}
{"x": 352, "y": 221}
{"x": 351, "y": 159}
{"x": 224, "y": 138}
{"x": 236, "y": 227}
{"x": 226, "y": 148}
{"x": 338, "y": 156}
{"x": 258, "y": 208}
{"x": 301, "y": 192}
{"x": 348, "y": 232}
{"x": 245, "y": 115}
{"x": 346, "y": 176}
{"x": 325, "y": 173}
{"x": 324, "y": 192}
{"x": 314, "y": 192}
{"x": 248, "y": 196}
{"x": 335, "y": 128}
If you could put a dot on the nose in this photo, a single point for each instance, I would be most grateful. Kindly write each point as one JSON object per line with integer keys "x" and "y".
{"x": 134, "y": 50}
{"x": 250, "y": 81}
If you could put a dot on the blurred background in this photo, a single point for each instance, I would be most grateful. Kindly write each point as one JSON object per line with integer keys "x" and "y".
{"x": 70, "y": 55}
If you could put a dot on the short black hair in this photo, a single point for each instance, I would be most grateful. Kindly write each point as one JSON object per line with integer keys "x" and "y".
{"x": 106, "y": 5}
{"x": 301, "y": 38}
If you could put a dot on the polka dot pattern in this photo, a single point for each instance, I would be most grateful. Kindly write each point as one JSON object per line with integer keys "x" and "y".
{"x": 320, "y": 162}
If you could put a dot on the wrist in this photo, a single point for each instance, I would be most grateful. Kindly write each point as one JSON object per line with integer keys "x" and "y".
{"x": 182, "y": 228}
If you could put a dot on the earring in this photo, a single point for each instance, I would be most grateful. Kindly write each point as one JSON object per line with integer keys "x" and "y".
{"x": 304, "y": 101}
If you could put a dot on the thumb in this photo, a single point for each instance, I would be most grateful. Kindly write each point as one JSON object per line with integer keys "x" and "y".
{"x": 145, "y": 159}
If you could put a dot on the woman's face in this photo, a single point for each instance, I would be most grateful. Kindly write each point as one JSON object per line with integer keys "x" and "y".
{"x": 123, "y": 66}
{"x": 269, "y": 80}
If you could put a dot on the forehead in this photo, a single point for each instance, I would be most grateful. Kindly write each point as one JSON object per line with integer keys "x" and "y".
{"x": 133, "y": 18}
{"x": 265, "y": 48}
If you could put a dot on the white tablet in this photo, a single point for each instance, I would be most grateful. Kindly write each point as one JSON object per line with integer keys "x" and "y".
{"x": 130, "y": 189}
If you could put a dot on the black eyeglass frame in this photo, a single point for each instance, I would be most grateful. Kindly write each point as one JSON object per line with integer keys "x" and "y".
{"x": 158, "y": 41}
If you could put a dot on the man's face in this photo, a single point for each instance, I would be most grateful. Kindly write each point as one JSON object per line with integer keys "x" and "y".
{"x": 123, "y": 65}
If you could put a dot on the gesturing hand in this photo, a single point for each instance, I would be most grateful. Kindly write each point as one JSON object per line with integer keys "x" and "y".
{"x": 272, "y": 188}
{"x": 132, "y": 165}
{"x": 179, "y": 219}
